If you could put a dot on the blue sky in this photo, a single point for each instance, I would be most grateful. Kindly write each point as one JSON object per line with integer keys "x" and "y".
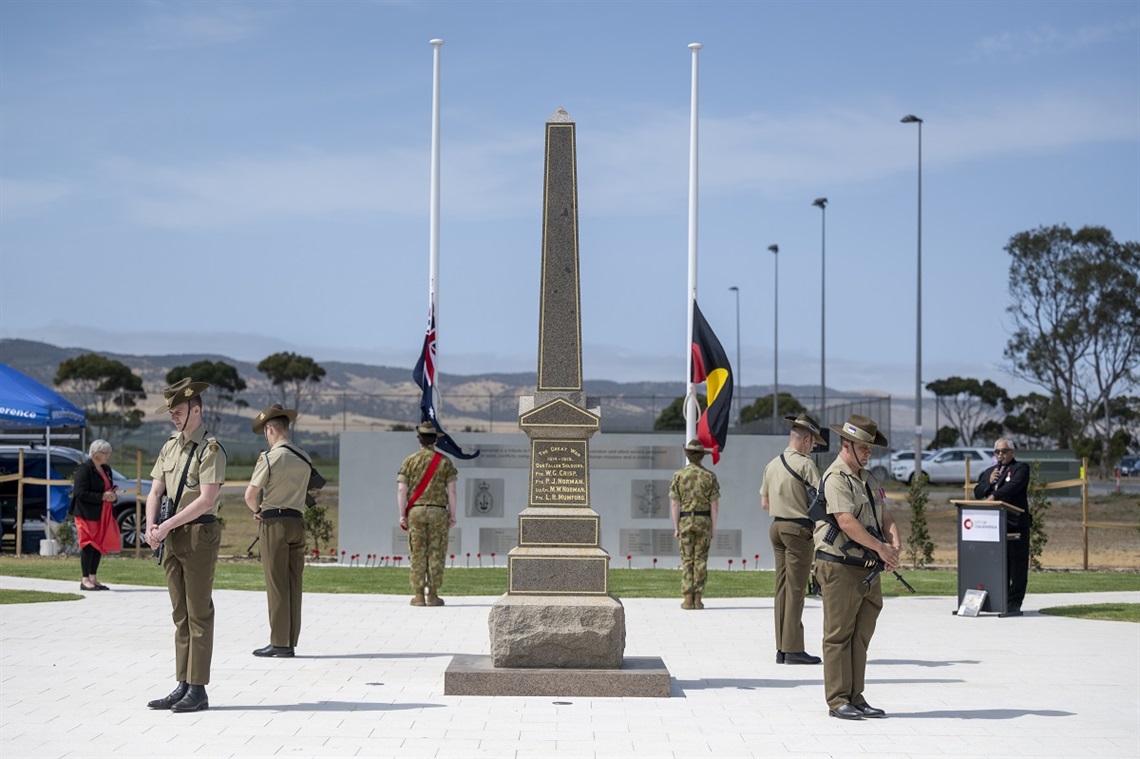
{"x": 241, "y": 178}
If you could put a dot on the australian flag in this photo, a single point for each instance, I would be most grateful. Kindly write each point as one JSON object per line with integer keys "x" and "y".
{"x": 424, "y": 376}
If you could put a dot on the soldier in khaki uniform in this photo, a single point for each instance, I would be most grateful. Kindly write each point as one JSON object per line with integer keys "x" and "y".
{"x": 694, "y": 497}
{"x": 190, "y": 470}
{"x": 783, "y": 495}
{"x": 276, "y": 496}
{"x": 430, "y": 516}
{"x": 844, "y": 558}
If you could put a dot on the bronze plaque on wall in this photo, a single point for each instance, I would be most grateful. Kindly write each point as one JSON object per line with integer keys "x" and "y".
{"x": 559, "y": 473}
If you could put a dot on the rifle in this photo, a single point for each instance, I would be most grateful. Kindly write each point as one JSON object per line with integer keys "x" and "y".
{"x": 164, "y": 513}
{"x": 168, "y": 506}
{"x": 880, "y": 565}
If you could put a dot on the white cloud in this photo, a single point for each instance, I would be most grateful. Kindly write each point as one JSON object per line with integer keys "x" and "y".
{"x": 177, "y": 26}
{"x": 20, "y": 197}
{"x": 625, "y": 166}
{"x": 1045, "y": 39}
{"x": 311, "y": 184}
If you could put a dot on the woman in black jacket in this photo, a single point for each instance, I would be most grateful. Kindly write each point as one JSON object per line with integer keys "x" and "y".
{"x": 93, "y": 494}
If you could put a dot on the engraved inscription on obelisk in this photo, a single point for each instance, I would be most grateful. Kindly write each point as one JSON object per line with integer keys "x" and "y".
{"x": 557, "y": 611}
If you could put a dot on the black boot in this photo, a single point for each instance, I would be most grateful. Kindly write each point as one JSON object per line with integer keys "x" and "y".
{"x": 194, "y": 701}
{"x": 169, "y": 701}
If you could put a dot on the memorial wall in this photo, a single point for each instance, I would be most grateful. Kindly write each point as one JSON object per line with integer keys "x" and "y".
{"x": 627, "y": 483}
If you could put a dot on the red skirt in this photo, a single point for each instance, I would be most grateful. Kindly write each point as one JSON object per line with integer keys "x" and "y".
{"x": 104, "y": 534}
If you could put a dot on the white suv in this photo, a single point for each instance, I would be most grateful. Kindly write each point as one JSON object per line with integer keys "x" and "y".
{"x": 946, "y": 466}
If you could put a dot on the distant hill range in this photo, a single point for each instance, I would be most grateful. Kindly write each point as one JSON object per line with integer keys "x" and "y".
{"x": 364, "y": 397}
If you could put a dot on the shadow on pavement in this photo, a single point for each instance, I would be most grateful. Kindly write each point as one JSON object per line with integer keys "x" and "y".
{"x": 982, "y": 714}
{"x": 324, "y": 706}
{"x": 407, "y": 655}
{"x": 921, "y": 663}
{"x": 745, "y": 683}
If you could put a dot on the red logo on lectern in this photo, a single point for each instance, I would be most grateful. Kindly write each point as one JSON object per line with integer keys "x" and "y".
{"x": 968, "y": 524}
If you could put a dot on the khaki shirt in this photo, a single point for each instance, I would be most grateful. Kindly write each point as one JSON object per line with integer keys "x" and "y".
{"x": 694, "y": 488}
{"x": 207, "y": 465}
{"x": 846, "y": 492}
{"x": 283, "y": 476}
{"x": 787, "y": 498}
{"x": 413, "y": 469}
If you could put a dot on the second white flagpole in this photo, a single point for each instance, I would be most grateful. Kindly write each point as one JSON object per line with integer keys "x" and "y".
{"x": 433, "y": 236}
{"x": 692, "y": 410}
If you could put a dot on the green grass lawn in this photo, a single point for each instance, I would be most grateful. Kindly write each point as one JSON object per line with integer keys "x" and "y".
{"x": 1110, "y": 612}
{"x": 8, "y": 596}
{"x": 461, "y": 581}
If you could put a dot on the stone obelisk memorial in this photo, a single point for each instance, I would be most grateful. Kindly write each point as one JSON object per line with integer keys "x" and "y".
{"x": 558, "y": 631}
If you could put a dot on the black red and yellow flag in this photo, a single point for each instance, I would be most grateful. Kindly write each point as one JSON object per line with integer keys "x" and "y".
{"x": 710, "y": 365}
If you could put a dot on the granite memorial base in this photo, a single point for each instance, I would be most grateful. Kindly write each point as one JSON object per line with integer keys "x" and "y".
{"x": 582, "y": 632}
{"x": 639, "y": 677}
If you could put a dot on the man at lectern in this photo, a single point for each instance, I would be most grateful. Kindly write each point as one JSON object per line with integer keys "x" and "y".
{"x": 1008, "y": 481}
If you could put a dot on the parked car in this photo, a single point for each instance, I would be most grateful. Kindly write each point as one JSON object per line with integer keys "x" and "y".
{"x": 909, "y": 455}
{"x": 945, "y": 466}
{"x": 64, "y": 462}
{"x": 1129, "y": 466}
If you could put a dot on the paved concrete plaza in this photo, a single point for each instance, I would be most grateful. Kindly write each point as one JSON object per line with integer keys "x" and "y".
{"x": 368, "y": 681}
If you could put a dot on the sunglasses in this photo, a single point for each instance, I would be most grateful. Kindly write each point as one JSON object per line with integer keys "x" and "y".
{"x": 1000, "y": 451}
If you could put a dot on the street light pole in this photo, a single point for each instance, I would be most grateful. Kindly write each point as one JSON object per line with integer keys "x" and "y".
{"x": 736, "y": 381}
{"x": 775, "y": 249}
{"x": 822, "y": 203}
{"x": 912, "y": 119}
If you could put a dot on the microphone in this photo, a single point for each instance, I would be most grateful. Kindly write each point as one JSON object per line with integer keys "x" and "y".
{"x": 1001, "y": 473}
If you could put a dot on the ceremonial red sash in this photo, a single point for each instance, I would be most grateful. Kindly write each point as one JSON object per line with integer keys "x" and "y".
{"x": 424, "y": 481}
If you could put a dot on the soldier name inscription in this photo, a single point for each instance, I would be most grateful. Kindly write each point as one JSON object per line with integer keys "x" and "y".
{"x": 559, "y": 473}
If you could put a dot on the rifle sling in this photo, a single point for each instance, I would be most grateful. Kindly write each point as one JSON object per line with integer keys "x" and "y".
{"x": 793, "y": 472}
{"x": 185, "y": 471}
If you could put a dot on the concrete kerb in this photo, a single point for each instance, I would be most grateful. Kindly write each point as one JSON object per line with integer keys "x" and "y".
{"x": 368, "y": 681}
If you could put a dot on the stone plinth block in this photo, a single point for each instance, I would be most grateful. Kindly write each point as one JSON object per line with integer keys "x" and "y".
{"x": 639, "y": 677}
{"x": 577, "y": 528}
{"x": 558, "y": 571}
{"x": 576, "y": 632}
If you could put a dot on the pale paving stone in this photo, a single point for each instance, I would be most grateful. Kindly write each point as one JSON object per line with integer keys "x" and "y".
{"x": 368, "y": 679}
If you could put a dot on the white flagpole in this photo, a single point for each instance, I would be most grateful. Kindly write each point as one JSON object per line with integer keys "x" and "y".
{"x": 692, "y": 410}
{"x": 433, "y": 243}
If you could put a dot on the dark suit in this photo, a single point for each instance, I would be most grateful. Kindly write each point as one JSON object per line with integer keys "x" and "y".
{"x": 1013, "y": 488}
{"x": 87, "y": 490}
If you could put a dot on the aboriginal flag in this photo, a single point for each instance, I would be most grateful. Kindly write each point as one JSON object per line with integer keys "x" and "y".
{"x": 710, "y": 365}
{"x": 424, "y": 376}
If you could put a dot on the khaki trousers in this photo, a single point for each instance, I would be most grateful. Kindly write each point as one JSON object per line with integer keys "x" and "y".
{"x": 427, "y": 546}
{"x": 850, "y": 610}
{"x": 283, "y": 560}
{"x": 189, "y": 559}
{"x": 694, "y": 544}
{"x": 793, "y": 549}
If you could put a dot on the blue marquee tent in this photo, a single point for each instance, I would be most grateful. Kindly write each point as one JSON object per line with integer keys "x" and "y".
{"x": 26, "y": 403}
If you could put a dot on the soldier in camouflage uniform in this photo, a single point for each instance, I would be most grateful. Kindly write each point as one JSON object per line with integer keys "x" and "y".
{"x": 694, "y": 496}
{"x": 430, "y": 515}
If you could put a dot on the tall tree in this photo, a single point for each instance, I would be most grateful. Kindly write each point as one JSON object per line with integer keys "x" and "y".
{"x": 672, "y": 417}
{"x": 292, "y": 373}
{"x": 224, "y": 381}
{"x": 946, "y": 437}
{"x": 761, "y": 408}
{"x": 108, "y": 389}
{"x": 1035, "y": 420}
{"x": 967, "y": 403}
{"x": 1076, "y": 320}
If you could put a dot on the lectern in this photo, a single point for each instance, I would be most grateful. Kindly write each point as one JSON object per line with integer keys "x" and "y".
{"x": 983, "y": 551}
